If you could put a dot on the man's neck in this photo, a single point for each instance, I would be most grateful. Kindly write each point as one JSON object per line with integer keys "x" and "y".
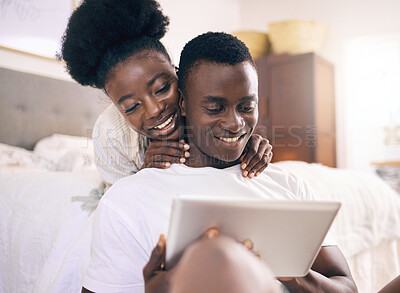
{"x": 198, "y": 159}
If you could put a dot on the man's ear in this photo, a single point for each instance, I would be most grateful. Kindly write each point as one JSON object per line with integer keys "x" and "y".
{"x": 182, "y": 102}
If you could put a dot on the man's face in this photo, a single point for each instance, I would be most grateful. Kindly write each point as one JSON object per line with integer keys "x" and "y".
{"x": 220, "y": 105}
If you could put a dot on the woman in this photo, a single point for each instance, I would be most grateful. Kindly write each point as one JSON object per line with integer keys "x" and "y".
{"x": 115, "y": 46}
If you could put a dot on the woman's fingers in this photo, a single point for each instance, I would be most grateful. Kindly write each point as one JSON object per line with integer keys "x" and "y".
{"x": 261, "y": 165}
{"x": 167, "y": 158}
{"x": 161, "y": 154}
{"x": 251, "y": 149}
{"x": 156, "y": 259}
{"x": 260, "y": 159}
{"x": 169, "y": 144}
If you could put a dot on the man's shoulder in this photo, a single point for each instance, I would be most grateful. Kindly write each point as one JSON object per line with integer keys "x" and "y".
{"x": 277, "y": 173}
{"x": 139, "y": 183}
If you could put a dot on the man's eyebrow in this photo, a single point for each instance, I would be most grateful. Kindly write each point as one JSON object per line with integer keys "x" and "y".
{"x": 248, "y": 98}
{"x": 155, "y": 77}
{"x": 213, "y": 99}
{"x": 123, "y": 98}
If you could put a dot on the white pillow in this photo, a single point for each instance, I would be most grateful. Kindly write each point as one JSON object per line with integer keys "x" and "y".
{"x": 67, "y": 153}
{"x": 14, "y": 158}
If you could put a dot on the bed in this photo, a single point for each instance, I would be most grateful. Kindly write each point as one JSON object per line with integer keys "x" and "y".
{"x": 49, "y": 189}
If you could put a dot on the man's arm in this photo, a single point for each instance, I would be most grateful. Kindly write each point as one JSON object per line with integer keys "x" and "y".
{"x": 392, "y": 287}
{"x": 329, "y": 273}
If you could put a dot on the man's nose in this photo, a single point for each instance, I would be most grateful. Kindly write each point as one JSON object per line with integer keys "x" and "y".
{"x": 232, "y": 122}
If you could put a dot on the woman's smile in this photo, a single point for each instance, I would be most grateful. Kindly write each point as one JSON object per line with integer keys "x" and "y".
{"x": 168, "y": 124}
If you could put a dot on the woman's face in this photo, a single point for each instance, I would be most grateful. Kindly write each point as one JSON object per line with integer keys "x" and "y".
{"x": 144, "y": 88}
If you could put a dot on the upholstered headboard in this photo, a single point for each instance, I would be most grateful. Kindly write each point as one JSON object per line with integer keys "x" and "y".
{"x": 33, "y": 107}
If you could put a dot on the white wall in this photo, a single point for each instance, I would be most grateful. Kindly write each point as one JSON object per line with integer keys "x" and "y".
{"x": 189, "y": 18}
{"x": 347, "y": 20}
{"x": 32, "y": 64}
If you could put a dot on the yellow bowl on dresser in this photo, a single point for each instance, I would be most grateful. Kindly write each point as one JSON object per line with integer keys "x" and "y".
{"x": 257, "y": 42}
{"x": 297, "y": 36}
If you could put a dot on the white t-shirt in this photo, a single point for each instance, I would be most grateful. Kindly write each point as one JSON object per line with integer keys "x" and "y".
{"x": 118, "y": 149}
{"x": 136, "y": 210}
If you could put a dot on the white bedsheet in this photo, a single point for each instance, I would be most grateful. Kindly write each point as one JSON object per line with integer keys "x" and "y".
{"x": 44, "y": 235}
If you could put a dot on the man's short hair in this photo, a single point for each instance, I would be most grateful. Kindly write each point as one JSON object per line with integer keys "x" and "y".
{"x": 218, "y": 47}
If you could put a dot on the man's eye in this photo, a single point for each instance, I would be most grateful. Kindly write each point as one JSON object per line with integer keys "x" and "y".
{"x": 246, "y": 108}
{"x": 214, "y": 110}
{"x": 164, "y": 89}
{"x": 131, "y": 109}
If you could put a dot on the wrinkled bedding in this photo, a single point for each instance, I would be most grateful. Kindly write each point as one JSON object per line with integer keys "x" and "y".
{"x": 44, "y": 230}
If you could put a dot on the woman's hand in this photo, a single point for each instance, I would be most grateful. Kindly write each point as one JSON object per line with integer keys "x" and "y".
{"x": 257, "y": 155}
{"x": 156, "y": 279}
{"x": 162, "y": 153}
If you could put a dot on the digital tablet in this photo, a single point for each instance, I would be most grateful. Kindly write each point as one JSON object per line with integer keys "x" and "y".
{"x": 286, "y": 234}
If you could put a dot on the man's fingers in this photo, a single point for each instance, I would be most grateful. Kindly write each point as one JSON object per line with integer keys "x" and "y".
{"x": 156, "y": 259}
{"x": 211, "y": 233}
{"x": 248, "y": 244}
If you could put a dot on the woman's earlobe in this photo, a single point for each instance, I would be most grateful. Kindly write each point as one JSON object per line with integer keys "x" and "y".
{"x": 182, "y": 103}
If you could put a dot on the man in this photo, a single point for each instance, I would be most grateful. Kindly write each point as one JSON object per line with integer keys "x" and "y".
{"x": 218, "y": 83}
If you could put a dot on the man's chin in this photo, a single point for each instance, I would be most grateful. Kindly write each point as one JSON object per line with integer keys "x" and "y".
{"x": 227, "y": 158}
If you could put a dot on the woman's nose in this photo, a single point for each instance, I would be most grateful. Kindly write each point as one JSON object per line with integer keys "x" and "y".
{"x": 153, "y": 108}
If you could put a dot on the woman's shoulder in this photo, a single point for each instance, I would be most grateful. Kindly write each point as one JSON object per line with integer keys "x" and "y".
{"x": 111, "y": 121}
{"x": 112, "y": 125}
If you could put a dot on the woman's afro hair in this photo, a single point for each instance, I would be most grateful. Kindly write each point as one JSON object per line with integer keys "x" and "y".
{"x": 112, "y": 30}
{"x": 217, "y": 47}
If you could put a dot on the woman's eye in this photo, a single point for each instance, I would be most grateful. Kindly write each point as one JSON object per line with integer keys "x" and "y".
{"x": 131, "y": 109}
{"x": 164, "y": 89}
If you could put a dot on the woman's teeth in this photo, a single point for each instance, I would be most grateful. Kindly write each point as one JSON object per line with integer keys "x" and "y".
{"x": 229, "y": 139}
{"x": 162, "y": 125}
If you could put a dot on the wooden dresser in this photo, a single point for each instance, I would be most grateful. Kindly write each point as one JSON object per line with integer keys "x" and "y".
{"x": 297, "y": 107}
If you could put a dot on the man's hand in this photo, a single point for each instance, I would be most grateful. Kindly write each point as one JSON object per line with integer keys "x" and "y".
{"x": 156, "y": 279}
{"x": 214, "y": 232}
